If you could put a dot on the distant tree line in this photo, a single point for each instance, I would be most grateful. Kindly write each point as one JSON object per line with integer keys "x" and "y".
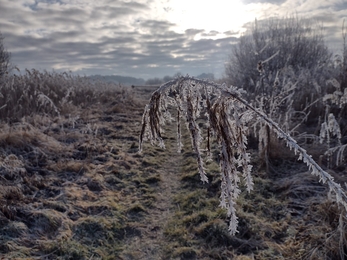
{"x": 117, "y": 79}
{"x": 159, "y": 81}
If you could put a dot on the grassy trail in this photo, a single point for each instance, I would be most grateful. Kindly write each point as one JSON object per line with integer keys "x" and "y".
{"x": 151, "y": 243}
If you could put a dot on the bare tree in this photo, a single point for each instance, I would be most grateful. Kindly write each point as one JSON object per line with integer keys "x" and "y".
{"x": 4, "y": 58}
{"x": 333, "y": 130}
{"x": 344, "y": 55}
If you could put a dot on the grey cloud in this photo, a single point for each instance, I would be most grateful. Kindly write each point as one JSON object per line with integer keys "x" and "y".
{"x": 210, "y": 33}
{"x": 230, "y": 33}
{"x": 65, "y": 36}
{"x": 135, "y": 6}
{"x": 193, "y": 32}
{"x": 116, "y": 11}
{"x": 340, "y": 6}
{"x": 13, "y": 16}
{"x": 162, "y": 36}
{"x": 74, "y": 16}
{"x": 38, "y": 2}
{"x": 208, "y": 47}
{"x": 114, "y": 38}
{"x": 156, "y": 27}
{"x": 159, "y": 50}
{"x": 276, "y": 2}
{"x": 23, "y": 42}
{"x": 150, "y": 49}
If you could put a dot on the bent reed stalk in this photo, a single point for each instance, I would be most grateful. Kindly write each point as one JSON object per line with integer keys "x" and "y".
{"x": 226, "y": 114}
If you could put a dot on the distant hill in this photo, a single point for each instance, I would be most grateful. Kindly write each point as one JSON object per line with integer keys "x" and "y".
{"x": 123, "y": 80}
{"x": 128, "y": 81}
{"x": 159, "y": 81}
{"x": 209, "y": 76}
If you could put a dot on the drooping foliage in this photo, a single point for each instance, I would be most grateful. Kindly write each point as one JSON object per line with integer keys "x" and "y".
{"x": 226, "y": 115}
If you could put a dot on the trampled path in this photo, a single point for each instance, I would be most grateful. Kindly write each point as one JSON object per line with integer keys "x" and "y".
{"x": 84, "y": 192}
{"x": 150, "y": 243}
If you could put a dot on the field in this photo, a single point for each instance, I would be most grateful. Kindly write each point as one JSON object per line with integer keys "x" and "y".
{"x": 73, "y": 186}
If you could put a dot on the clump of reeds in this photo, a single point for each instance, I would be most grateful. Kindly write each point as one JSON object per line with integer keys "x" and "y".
{"x": 52, "y": 93}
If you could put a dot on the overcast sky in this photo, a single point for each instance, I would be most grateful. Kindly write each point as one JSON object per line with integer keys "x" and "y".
{"x": 143, "y": 38}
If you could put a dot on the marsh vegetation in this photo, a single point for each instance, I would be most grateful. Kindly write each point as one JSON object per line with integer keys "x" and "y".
{"x": 74, "y": 186}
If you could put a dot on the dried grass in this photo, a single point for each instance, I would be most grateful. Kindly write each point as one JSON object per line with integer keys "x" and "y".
{"x": 227, "y": 115}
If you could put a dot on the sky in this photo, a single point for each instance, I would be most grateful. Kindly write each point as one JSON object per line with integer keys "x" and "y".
{"x": 144, "y": 38}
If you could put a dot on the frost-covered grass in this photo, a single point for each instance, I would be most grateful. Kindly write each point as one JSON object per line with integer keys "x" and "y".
{"x": 54, "y": 94}
{"x": 286, "y": 216}
{"x": 77, "y": 187}
{"x": 67, "y": 180}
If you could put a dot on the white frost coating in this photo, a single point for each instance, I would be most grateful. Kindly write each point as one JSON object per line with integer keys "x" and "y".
{"x": 227, "y": 114}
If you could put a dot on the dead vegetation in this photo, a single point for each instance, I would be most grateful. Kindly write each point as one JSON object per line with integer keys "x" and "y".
{"x": 264, "y": 226}
{"x": 67, "y": 179}
{"x": 72, "y": 186}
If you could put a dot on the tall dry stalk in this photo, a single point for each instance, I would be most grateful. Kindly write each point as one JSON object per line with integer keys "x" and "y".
{"x": 227, "y": 115}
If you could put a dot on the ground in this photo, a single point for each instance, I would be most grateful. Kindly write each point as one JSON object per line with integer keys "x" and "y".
{"x": 75, "y": 187}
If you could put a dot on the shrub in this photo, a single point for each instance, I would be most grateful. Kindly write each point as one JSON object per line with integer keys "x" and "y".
{"x": 283, "y": 65}
{"x": 270, "y": 46}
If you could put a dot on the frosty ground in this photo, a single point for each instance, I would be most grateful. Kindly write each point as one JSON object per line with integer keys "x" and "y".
{"x": 75, "y": 187}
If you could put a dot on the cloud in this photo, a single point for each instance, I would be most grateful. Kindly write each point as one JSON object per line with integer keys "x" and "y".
{"x": 276, "y": 2}
{"x": 108, "y": 38}
{"x": 134, "y": 38}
